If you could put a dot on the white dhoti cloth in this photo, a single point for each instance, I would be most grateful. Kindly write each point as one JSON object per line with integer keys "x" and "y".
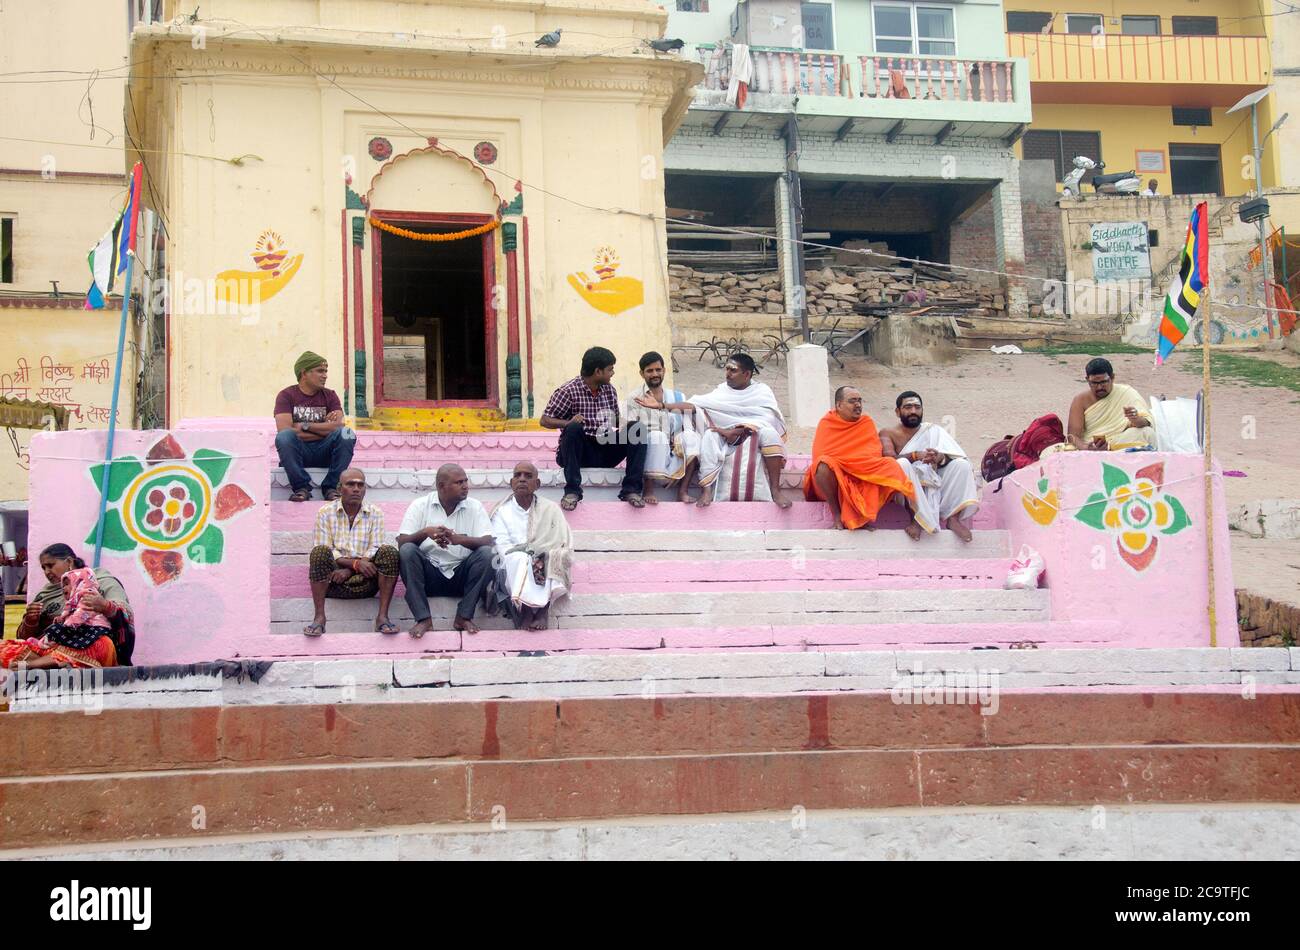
{"x": 944, "y": 492}
{"x": 672, "y": 442}
{"x": 754, "y": 407}
{"x": 510, "y": 529}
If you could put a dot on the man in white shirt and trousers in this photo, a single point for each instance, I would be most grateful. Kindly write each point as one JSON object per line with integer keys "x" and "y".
{"x": 445, "y": 545}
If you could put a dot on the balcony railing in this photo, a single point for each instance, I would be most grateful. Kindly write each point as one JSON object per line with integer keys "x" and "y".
{"x": 928, "y": 77}
{"x": 782, "y": 72}
{"x": 796, "y": 72}
{"x": 1108, "y": 57}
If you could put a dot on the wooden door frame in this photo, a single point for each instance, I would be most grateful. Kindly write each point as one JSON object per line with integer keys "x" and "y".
{"x": 488, "y": 240}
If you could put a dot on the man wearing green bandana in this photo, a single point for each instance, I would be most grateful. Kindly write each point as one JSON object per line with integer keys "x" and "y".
{"x": 310, "y": 430}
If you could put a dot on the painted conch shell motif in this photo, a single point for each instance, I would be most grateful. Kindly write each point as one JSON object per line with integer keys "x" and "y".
{"x": 275, "y": 268}
{"x": 608, "y": 293}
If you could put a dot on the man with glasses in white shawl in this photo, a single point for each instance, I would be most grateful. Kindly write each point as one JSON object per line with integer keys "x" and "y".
{"x": 672, "y": 444}
{"x": 940, "y": 471}
{"x": 739, "y": 411}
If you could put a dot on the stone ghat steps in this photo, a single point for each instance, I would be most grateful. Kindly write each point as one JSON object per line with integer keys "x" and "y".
{"x": 1133, "y": 833}
{"x": 796, "y": 546}
{"x": 592, "y": 576}
{"x": 341, "y": 767}
{"x": 356, "y": 639}
{"x": 708, "y": 609}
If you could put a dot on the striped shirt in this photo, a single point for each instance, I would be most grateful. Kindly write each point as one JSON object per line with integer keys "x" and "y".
{"x": 362, "y": 538}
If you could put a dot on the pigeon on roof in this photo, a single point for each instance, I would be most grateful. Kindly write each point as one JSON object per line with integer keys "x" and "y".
{"x": 665, "y": 46}
{"x": 549, "y": 40}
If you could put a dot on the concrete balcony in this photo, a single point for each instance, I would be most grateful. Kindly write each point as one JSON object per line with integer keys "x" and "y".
{"x": 891, "y": 95}
{"x": 1112, "y": 69}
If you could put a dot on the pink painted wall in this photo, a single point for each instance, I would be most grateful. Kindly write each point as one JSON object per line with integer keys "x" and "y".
{"x": 1145, "y": 566}
{"x": 188, "y": 533}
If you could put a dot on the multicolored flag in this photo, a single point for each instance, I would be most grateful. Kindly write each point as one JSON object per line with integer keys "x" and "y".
{"x": 1185, "y": 289}
{"x": 107, "y": 258}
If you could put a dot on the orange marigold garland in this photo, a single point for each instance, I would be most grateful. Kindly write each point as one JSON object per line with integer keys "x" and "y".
{"x": 420, "y": 236}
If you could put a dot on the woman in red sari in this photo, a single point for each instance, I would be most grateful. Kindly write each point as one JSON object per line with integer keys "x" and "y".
{"x": 59, "y": 630}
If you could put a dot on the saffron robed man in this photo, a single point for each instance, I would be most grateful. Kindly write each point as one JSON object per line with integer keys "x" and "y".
{"x": 850, "y": 469}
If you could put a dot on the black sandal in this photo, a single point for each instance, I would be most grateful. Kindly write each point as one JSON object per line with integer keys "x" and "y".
{"x": 302, "y": 494}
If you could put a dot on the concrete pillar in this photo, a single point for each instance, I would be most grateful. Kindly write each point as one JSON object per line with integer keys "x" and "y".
{"x": 1009, "y": 243}
{"x": 785, "y": 258}
{"x": 809, "y": 374}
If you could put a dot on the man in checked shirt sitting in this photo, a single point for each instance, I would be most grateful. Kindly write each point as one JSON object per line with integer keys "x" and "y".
{"x": 585, "y": 410}
{"x": 348, "y": 557}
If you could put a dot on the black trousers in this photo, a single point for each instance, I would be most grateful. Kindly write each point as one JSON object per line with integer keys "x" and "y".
{"x": 423, "y": 581}
{"x": 577, "y": 451}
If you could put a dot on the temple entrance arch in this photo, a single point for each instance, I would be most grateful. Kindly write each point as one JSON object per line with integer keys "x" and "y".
{"x": 435, "y": 223}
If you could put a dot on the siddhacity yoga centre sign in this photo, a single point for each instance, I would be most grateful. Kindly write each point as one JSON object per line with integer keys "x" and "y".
{"x": 1120, "y": 251}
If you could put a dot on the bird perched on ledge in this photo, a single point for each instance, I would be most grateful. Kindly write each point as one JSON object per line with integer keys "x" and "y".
{"x": 549, "y": 40}
{"x": 665, "y": 46}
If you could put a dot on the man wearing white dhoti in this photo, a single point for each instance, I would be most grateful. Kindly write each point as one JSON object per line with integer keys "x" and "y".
{"x": 940, "y": 471}
{"x": 739, "y": 420}
{"x": 672, "y": 444}
{"x": 534, "y": 549}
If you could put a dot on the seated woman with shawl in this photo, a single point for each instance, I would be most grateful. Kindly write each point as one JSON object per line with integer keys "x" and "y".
{"x": 62, "y": 627}
{"x": 534, "y": 552}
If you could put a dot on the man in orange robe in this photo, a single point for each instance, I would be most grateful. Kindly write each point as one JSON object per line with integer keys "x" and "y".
{"x": 849, "y": 471}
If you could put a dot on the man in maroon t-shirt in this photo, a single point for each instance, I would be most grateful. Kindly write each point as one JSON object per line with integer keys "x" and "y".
{"x": 310, "y": 430}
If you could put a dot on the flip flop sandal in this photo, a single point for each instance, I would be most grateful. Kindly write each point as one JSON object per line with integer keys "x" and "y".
{"x": 388, "y": 628}
{"x": 332, "y": 494}
{"x": 569, "y": 502}
{"x": 313, "y": 630}
{"x": 636, "y": 501}
{"x": 300, "y": 495}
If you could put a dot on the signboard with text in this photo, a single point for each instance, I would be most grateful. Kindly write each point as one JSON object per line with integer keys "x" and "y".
{"x": 1120, "y": 251}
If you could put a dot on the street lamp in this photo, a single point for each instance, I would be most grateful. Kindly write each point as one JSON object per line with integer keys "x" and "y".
{"x": 1259, "y": 207}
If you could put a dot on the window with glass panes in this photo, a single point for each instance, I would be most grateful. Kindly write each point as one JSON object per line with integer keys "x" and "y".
{"x": 1140, "y": 25}
{"x": 914, "y": 28}
{"x": 1083, "y": 23}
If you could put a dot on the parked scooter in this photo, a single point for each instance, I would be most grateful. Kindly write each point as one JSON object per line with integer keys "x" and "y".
{"x": 1119, "y": 183}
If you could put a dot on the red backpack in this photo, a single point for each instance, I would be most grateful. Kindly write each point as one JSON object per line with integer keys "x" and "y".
{"x": 1042, "y": 432}
{"x": 997, "y": 460}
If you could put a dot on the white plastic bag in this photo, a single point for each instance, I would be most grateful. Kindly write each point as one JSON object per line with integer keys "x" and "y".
{"x": 1025, "y": 571}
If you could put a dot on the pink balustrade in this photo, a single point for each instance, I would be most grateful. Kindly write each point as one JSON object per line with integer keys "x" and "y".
{"x": 790, "y": 72}
{"x": 783, "y": 72}
{"x": 953, "y": 80}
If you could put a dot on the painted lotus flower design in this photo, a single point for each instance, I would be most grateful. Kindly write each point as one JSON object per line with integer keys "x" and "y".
{"x": 169, "y": 509}
{"x": 167, "y": 506}
{"x": 1136, "y": 511}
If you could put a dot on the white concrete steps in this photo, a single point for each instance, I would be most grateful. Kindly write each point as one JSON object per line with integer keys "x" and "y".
{"x": 1131, "y": 833}
{"x": 704, "y": 609}
{"x": 775, "y": 543}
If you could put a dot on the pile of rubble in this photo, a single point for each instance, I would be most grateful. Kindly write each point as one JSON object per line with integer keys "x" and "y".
{"x": 836, "y": 291}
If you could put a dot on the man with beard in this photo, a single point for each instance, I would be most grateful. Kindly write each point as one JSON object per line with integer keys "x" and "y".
{"x": 940, "y": 471}
{"x": 739, "y": 412}
{"x": 672, "y": 444}
{"x": 849, "y": 470}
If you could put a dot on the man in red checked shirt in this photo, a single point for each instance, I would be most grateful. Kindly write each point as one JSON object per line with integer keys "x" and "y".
{"x": 585, "y": 410}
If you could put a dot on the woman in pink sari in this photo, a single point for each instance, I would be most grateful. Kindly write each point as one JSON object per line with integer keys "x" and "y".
{"x": 80, "y": 619}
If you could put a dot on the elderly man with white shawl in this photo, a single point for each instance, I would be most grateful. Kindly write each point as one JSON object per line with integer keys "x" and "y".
{"x": 939, "y": 469}
{"x": 740, "y": 416}
{"x": 673, "y": 445}
{"x": 534, "y": 548}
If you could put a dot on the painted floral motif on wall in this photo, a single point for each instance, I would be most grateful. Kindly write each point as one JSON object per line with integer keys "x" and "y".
{"x": 1136, "y": 511}
{"x": 167, "y": 506}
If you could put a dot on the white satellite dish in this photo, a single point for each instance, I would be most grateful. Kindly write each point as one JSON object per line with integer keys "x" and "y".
{"x": 1251, "y": 99}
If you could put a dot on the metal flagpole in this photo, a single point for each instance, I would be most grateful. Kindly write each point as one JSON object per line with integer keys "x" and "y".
{"x": 1209, "y": 485}
{"x": 134, "y": 210}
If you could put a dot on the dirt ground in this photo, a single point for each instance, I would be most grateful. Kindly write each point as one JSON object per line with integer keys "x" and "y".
{"x": 1254, "y": 428}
